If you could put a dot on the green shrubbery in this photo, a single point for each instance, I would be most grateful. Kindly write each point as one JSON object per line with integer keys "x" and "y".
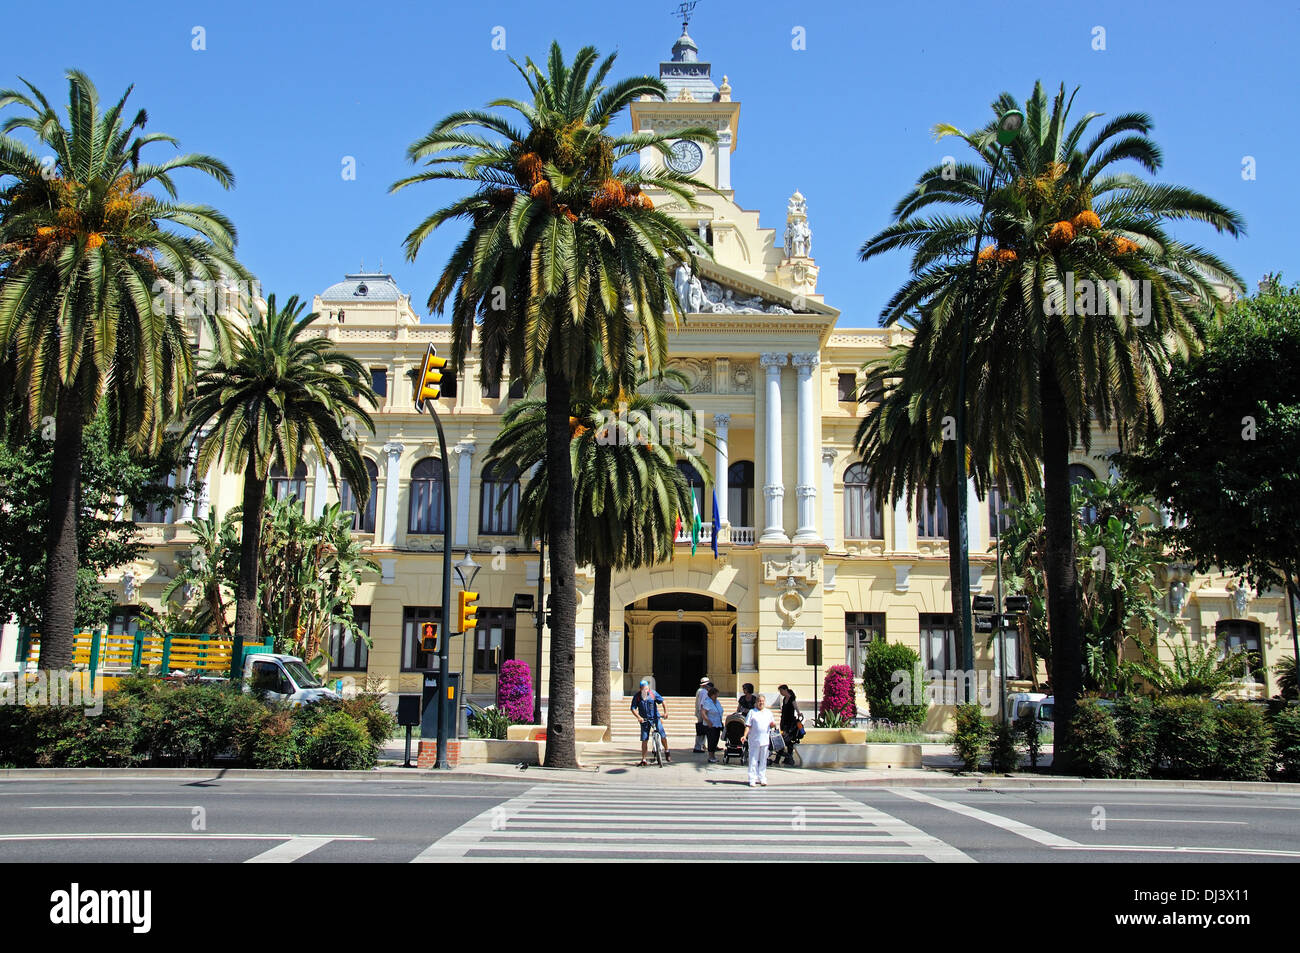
{"x": 1096, "y": 741}
{"x": 1004, "y": 753}
{"x": 971, "y": 738}
{"x": 154, "y": 722}
{"x": 1186, "y": 738}
{"x": 883, "y": 660}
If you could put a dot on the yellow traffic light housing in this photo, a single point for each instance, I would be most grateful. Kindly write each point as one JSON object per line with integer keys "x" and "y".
{"x": 429, "y": 384}
{"x": 429, "y": 637}
{"x": 466, "y": 610}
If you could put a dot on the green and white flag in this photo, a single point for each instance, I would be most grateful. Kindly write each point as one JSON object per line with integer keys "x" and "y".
{"x": 696, "y": 525}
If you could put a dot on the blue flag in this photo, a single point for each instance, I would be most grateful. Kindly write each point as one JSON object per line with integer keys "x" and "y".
{"x": 717, "y": 524}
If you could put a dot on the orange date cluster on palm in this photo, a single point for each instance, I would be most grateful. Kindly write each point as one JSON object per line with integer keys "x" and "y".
{"x": 997, "y": 256}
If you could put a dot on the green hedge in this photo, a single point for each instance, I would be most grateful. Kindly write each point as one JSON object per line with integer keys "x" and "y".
{"x": 1096, "y": 740}
{"x": 155, "y": 722}
{"x": 971, "y": 739}
{"x": 883, "y": 660}
{"x": 1136, "y": 722}
{"x": 1186, "y": 738}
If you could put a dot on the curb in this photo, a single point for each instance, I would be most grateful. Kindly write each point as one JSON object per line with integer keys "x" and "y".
{"x": 588, "y": 776}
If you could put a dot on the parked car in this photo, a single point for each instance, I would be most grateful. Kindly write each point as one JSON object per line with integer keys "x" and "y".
{"x": 1019, "y": 703}
{"x": 1045, "y": 710}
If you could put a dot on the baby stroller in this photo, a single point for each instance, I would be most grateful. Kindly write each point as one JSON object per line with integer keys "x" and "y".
{"x": 732, "y": 731}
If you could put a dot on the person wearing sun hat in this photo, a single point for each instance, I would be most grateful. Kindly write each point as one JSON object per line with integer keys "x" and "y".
{"x": 701, "y": 725}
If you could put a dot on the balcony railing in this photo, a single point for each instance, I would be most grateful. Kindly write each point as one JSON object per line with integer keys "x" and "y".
{"x": 735, "y": 535}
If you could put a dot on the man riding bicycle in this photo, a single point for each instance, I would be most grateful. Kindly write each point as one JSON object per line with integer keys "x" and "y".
{"x": 646, "y": 705}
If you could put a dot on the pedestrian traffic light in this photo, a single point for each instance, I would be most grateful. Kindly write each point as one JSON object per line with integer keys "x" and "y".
{"x": 1018, "y": 604}
{"x": 466, "y": 609}
{"x": 429, "y": 384}
{"x": 983, "y": 604}
{"x": 429, "y": 637}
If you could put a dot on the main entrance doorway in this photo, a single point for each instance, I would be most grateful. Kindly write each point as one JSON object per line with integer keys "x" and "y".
{"x": 679, "y": 657}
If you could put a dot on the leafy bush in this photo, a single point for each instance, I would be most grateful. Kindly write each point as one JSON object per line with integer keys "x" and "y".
{"x": 1185, "y": 737}
{"x": 515, "y": 691}
{"x": 837, "y": 692}
{"x": 826, "y": 718}
{"x": 1030, "y": 732}
{"x": 1096, "y": 740}
{"x": 879, "y": 683}
{"x": 190, "y": 725}
{"x": 1243, "y": 743}
{"x": 338, "y": 741}
{"x": 369, "y": 709}
{"x": 276, "y": 743}
{"x": 971, "y": 739}
{"x": 1135, "y": 721}
{"x": 1004, "y": 753}
{"x": 1286, "y": 742}
{"x": 490, "y": 723}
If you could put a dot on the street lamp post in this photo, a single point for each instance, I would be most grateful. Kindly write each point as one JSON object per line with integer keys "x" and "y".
{"x": 1008, "y": 128}
{"x": 466, "y": 570}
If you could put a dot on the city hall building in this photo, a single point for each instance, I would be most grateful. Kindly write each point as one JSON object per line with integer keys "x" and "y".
{"x": 803, "y": 550}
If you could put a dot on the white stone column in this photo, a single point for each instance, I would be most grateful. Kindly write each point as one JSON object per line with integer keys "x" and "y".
{"x": 774, "y": 488}
{"x": 721, "y": 423}
{"x": 903, "y": 540}
{"x": 807, "y": 455}
{"x": 829, "y": 529}
{"x": 392, "y": 478}
{"x": 319, "y": 490}
{"x": 464, "y": 458}
{"x": 976, "y": 520}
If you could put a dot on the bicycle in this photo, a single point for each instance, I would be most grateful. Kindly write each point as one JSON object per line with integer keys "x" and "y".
{"x": 656, "y": 743}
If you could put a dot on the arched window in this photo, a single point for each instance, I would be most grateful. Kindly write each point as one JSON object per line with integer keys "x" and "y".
{"x": 1079, "y": 474}
{"x": 281, "y": 487}
{"x": 696, "y": 483}
{"x": 931, "y": 517}
{"x": 428, "y": 484}
{"x": 740, "y": 493}
{"x": 362, "y": 521}
{"x": 498, "y": 512}
{"x": 862, "y": 516}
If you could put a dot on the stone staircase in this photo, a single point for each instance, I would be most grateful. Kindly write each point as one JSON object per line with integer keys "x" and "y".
{"x": 626, "y": 733}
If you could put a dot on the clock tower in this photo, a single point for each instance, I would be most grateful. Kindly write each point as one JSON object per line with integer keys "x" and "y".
{"x": 693, "y": 100}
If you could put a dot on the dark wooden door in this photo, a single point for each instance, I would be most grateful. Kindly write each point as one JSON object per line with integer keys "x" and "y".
{"x": 679, "y": 657}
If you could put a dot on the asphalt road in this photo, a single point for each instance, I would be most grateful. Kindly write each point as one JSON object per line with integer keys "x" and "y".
{"x": 383, "y": 821}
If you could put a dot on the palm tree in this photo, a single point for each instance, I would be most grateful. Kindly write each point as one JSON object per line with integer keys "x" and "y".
{"x": 84, "y": 247}
{"x": 628, "y": 491}
{"x": 901, "y": 440}
{"x": 564, "y": 268}
{"x": 1082, "y": 298}
{"x": 268, "y": 391}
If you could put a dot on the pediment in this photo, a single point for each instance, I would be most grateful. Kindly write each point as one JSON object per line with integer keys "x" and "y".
{"x": 711, "y": 290}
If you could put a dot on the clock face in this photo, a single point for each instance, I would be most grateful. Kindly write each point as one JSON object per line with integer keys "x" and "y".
{"x": 685, "y": 157}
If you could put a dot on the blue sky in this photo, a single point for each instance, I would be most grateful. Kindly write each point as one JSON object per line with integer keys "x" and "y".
{"x": 284, "y": 93}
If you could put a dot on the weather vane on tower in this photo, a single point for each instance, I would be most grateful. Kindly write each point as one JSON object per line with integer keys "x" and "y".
{"x": 684, "y": 10}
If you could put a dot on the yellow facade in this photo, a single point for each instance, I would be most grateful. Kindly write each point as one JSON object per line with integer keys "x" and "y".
{"x": 759, "y": 339}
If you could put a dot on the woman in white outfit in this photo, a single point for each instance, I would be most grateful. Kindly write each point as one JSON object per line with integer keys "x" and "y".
{"x": 758, "y": 727}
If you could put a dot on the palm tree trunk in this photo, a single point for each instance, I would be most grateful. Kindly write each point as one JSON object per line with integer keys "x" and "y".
{"x": 250, "y": 549}
{"x": 1061, "y": 568}
{"x": 59, "y": 618}
{"x": 600, "y": 648}
{"x": 561, "y": 749}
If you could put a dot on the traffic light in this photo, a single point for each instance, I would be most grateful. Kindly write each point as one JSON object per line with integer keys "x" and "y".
{"x": 429, "y": 637}
{"x": 1018, "y": 604}
{"x": 983, "y": 604}
{"x": 466, "y": 610}
{"x": 429, "y": 384}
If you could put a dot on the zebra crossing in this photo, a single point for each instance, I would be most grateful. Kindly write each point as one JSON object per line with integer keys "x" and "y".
{"x": 566, "y": 822}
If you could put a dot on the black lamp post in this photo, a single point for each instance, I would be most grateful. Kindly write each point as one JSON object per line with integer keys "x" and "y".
{"x": 1008, "y": 128}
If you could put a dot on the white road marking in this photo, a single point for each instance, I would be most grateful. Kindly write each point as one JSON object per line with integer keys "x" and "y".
{"x": 1046, "y": 838}
{"x": 289, "y": 851}
{"x": 555, "y": 822}
{"x": 1153, "y": 849}
{"x": 1170, "y": 820}
{"x": 177, "y": 835}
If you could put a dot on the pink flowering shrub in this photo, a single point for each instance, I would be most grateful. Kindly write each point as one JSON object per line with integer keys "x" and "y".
{"x": 837, "y": 692}
{"x": 515, "y": 691}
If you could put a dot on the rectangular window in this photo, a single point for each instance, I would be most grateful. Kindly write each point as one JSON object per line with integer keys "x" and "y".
{"x": 848, "y": 388}
{"x": 860, "y": 630}
{"x": 379, "y": 380}
{"x": 931, "y": 517}
{"x": 1011, "y": 652}
{"x": 494, "y": 639}
{"x": 347, "y": 652}
{"x": 415, "y": 659}
{"x": 491, "y": 391}
{"x": 516, "y": 391}
{"x": 939, "y": 641}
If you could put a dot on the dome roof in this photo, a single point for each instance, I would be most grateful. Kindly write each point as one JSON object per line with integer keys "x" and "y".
{"x": 363, "y": 286}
